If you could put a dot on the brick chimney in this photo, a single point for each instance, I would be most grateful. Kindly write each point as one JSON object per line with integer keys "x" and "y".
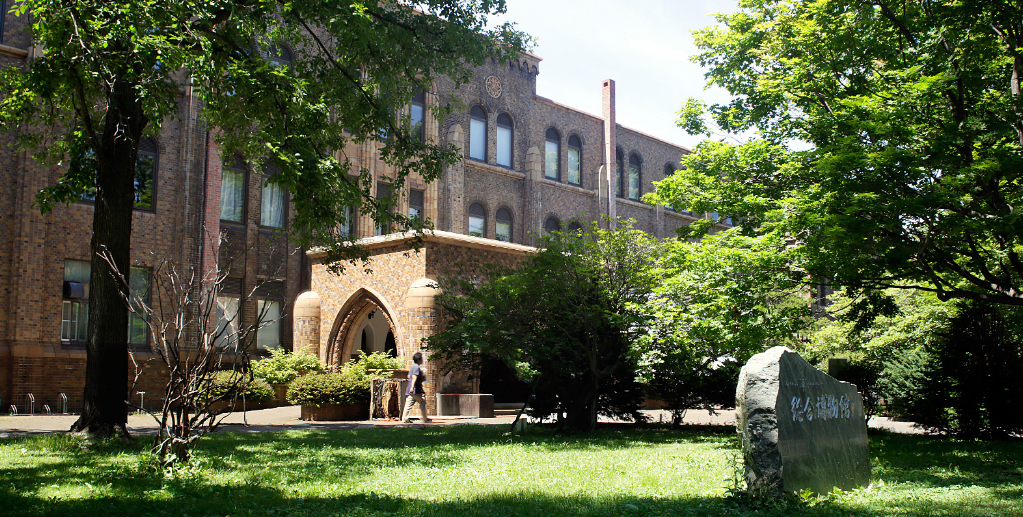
{"x": 610, "y": 146}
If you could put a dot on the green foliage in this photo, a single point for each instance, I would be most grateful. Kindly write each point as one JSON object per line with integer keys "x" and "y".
{"x": 880, "y": 354}
{"x": 350, "y": 385}
{"x": 889, "y": 142}
{"x": 967, "y": 383}
{"x": 380, "y": 361}
{"x": 721, "y": 300}
{"x": 231, "y": 385}
{"x": 570, "y": 314}
{"x": 283, "y": 366}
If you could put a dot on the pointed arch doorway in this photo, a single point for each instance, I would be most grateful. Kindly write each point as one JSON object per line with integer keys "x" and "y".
{"x": 365, "y": 323}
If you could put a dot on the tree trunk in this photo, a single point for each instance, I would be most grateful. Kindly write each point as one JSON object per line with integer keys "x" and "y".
{"x": 105, "y": 412}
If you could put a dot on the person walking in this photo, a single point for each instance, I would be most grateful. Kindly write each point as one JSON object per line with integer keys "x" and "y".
{"x": 415, "y": 392}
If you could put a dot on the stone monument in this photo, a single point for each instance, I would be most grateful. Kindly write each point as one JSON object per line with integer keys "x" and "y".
{"x": 800, "y": 428}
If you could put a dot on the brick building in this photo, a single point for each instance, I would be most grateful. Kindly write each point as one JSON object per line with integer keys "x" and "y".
{"x": 530, "y": 165}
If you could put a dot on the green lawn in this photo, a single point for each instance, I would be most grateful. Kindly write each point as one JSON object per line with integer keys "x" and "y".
{"x": 468, "y": 471}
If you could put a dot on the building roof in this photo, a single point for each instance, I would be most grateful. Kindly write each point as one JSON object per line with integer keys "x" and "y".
{"x": 433, "y": 236}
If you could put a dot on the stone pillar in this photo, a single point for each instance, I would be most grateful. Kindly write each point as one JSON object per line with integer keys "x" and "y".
{"x": 211, "y": 209}
{"x": 532, "y": 223}
{"x": 432, "y": 189}
{"x": 306, "y": 327}
{"x": 420, "y": 318}
{"x": 610, "y": 146}
{"x": 454, "y": 176}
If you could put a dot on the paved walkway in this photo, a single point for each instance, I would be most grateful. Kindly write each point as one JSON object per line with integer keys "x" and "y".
{"x": 287, "y": 418}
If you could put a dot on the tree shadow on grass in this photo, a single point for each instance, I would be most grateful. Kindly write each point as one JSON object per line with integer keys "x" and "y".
{"x": 122, "y": 483}
{"x": 943, "y": 462}
{"x": 292, "y": 443}
{"x": 257, "y": 501}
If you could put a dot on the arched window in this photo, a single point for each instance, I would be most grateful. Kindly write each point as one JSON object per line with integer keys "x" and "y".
{"x": 575, "y": 227}
{"x": 552, "y": 224}
{"x": 504, "y": 140}
{"x": 634, "y": 177}
{"x": 232, "y": 190}
{"x": 477, "y": 220}
{"x": 418, "y": 116}
{"x": 477, "y": 133}
{"x": 279, "y": 54}
{"x": 669, "y": 170}
{"x": 619, "y": 169}
{"x": 504, "y": 225}
{"x": 271, "y": 211}
{"x": 575, "y": 157}
{"x": 552, "y": 154}
{"x": 147, "y": 161}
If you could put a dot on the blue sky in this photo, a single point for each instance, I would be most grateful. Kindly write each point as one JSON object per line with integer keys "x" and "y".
{"x": 644, "y": 45}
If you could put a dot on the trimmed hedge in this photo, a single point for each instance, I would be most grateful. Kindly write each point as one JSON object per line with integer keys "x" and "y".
{"x": 349, "y": 386}
{"x": 227, "y": 384}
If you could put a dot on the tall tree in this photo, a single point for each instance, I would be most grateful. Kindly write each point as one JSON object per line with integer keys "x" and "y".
{"x": 888, "y": 141}
{"x": 720, "y": 300}
{"x": 110, "y": 72}
{"x": 570, "y": 316}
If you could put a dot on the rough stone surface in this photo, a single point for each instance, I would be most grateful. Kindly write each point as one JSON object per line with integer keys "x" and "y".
{"x": 800, "y": 428}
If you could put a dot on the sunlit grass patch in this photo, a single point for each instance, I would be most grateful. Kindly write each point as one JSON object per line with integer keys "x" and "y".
{"x": 482, "y": 471}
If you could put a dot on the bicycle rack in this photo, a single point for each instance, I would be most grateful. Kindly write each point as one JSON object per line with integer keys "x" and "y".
{"x": 31, "y": 402}
{"x": 63, "y": 404}
{"x": 14, "y": 409}
{"x": 46, "y": 407}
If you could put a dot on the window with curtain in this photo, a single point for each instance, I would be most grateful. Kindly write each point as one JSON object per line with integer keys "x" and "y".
{"x": 418, "y": 116}
{"x": 552, "y": 224}
{"x": 619, "y": 168}
{"x": 268, "y": 335}
{"x": 477, "y": 220}
{"x": 634, "y": 177}
{"x": 575, "y": 153}
{"x": 146, "y": 165}
{"x": 504, "y": 225}
{"x": 226, "y": 334}
{"x": 504, "y": 140}
{"x": 272, "y": 203}
{"x": 552, "y": 152}
{"x": 416, "y": 202}
{"x": 138, "y": 330}
{"x": 232, "y": 190}
{"x": 477, "y": 133}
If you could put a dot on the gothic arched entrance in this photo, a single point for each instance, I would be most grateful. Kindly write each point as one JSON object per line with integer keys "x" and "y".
{"x": 364, "y": 323}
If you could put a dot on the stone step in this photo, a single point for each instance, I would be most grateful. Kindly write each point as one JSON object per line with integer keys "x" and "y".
{"x": 508, "y": 408}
